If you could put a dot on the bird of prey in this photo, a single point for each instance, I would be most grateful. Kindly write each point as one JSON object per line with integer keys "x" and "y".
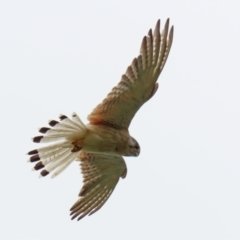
{"x": 100, "y": 145}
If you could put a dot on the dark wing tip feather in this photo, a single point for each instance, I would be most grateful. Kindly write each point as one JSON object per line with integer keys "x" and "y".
{"x": 157, "y": 27}
{"x": 37, "y": 139}
{"x": 52, "y": 123}
{"x": 171, "y": 36}
{"x": 79, "y": 218}
{"x": 144, "y": 52}
{"x": 62, "y": 117}
{"x": 166, "y": 27}
{"x": 150, "y": 32}
{"x": 38, "y": 166}
{"x": 43, "y": 129}
{"x": 34, "y": 158}
{"x": 44, "y": 173}
{"x": 35, "y": 151}
{"x": 167, "y": 21}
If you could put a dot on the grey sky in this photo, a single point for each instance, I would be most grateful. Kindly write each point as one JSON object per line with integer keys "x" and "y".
{"x": 65, "y": 56}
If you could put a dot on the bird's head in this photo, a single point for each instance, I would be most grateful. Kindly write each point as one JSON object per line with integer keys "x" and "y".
{"x": 133, "y": 147}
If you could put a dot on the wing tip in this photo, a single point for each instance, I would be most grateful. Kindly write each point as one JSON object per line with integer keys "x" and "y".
{"x": 170, "y": 36}
{"x": 34, "y": 158}
{"x": 52, "y": 123}
{"x": 43, "y": 129}
{"x": 157, "y": 27}
{"x": 32, "y": 152}
{"x": 37, "y": 139}
{"x": 62, "y": 117}
{"x": 43, "y": 173}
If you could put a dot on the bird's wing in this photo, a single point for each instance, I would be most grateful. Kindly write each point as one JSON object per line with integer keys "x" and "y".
{"x": 138, "y": 84}
{"x": 100, "y": 176}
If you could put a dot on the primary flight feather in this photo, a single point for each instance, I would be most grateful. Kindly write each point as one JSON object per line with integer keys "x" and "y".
{"x": 100, "y": 144}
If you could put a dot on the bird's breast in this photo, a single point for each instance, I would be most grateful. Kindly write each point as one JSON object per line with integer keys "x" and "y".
{"x": 105, "y": 139}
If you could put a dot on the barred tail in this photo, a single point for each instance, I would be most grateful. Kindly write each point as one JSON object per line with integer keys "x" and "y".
{"x": 57, "y": 156}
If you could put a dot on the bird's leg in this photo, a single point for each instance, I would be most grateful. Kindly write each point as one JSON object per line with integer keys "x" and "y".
{"x": 77, "y": 146}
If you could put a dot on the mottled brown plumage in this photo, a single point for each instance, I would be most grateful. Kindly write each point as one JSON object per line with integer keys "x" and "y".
{"x": 100, "y": 144}
{"x": 101, "y": 174}
{"x": 138, "y": 84}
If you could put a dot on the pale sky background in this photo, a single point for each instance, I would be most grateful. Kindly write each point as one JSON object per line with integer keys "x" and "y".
{"x": 64, "y": 56}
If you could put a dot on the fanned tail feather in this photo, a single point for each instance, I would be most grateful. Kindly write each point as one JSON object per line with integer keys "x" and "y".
{"x": 56, "y": 157}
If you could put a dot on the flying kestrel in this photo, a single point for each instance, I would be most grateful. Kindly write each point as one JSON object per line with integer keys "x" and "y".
{"x": 100, "y": 144}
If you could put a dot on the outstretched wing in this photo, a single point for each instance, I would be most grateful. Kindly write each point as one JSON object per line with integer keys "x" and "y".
{"x": 138, "y": 84}
{"x": 101, "y": 174}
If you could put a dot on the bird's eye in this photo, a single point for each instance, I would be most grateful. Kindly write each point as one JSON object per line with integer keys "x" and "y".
{"x": 136, "y": 147}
